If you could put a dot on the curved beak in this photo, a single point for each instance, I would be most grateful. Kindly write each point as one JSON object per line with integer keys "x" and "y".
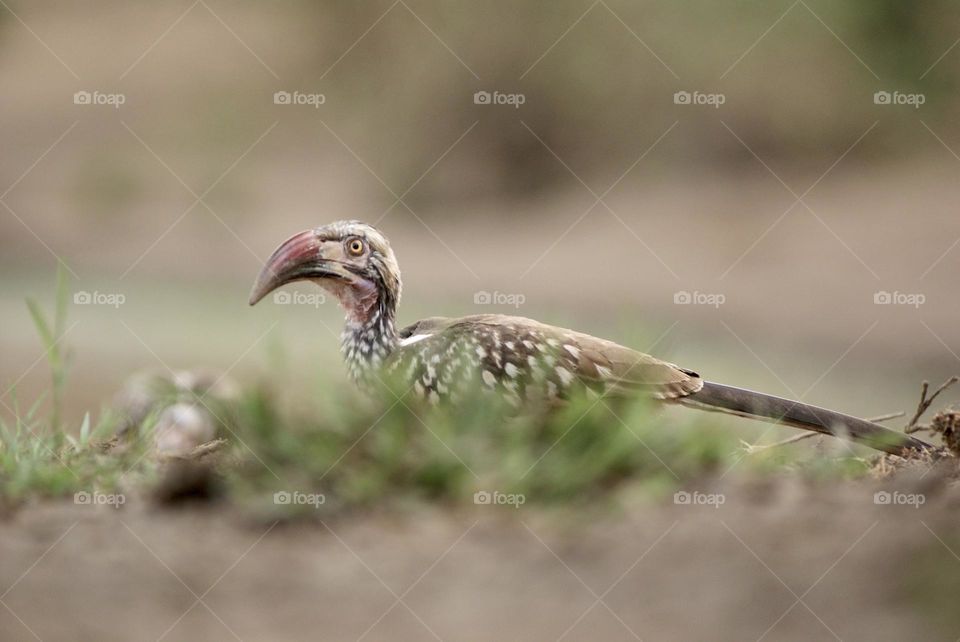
{"x": 298, "y": 258}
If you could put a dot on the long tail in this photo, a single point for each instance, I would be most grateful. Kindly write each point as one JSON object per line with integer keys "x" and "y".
{"x": 756, "y": 405}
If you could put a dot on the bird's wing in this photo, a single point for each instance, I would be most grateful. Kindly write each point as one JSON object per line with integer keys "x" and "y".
{"x": 623, "y": 370}
{"x": 618, "y": 369}
{"x": 430, "y": 325}
{"x": 508, "y": 347}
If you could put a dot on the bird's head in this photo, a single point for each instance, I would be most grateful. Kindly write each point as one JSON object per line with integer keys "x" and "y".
{"x": 350, "y": 259}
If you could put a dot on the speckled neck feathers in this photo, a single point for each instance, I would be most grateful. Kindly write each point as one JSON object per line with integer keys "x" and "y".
{"x": 368, "y": 339}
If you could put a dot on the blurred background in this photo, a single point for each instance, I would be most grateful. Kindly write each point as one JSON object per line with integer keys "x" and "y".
{"x": 765, "y": 192}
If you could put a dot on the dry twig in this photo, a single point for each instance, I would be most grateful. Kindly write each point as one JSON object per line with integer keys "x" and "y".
{"x": 200, "y": 451}
{"x": 925, "y": 403}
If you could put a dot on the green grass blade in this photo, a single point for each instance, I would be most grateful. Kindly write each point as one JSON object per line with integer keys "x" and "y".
{"x": 40, "y": 323}
{"x": 85, "y": 429}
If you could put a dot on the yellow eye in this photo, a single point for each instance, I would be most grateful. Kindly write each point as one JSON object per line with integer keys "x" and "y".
{"x": 355, "y": 247}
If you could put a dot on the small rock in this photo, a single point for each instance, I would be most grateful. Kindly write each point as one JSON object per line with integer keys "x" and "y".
{"x": 182, "y": 427}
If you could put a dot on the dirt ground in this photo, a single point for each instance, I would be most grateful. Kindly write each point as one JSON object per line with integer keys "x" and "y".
{"x": 778, "y": 561}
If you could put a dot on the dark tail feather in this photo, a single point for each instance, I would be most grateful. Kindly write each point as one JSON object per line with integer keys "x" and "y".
{"x": 756, "y": 405}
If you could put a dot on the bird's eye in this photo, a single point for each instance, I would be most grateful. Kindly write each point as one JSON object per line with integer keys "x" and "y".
{"x": 355, "y": 247}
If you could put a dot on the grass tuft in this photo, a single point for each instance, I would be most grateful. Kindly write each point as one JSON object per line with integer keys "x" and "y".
{"x": 357, "y": 452}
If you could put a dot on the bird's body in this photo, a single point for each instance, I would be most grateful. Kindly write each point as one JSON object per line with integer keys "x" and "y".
{"x": 443, "y": 359}
{"x": 524, "y": 361}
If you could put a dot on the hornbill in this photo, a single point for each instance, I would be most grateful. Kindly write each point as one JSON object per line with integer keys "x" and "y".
{"x": 444, "y": 359}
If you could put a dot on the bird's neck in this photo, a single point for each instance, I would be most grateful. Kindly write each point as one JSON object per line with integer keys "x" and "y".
{"x": 369, "y": 336}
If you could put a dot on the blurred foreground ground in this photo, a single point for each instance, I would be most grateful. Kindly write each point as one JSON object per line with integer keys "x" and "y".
{"x": 860, "y": 571}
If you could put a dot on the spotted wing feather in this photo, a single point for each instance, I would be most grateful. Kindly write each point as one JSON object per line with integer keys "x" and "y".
{"x": 524, "y": 359}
